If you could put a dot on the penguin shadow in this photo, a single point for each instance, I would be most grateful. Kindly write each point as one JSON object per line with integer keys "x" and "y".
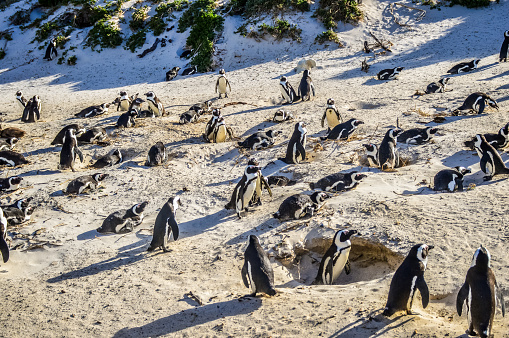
{"x": 502, "y": 99}
{"x": 372, "y": 326}
{"x": 192, "y": 317}
{"x": 485, "y": 67}
{"x": 449, "y": 119}
{"x": 198, "y": 226}
{"x": 190, "y": 140}
{"x": 464, "y": 158}
{"x": 506, "y": 86}
{"x": 133, "y": 164}
{"x": 39, "y": 172}
{"x": 267, "y": 225}
{"x": 374, "y": 82}
{"x": 231, "y": 154}
{"x": 133, "y": 253}
{"x": 50, "y": 149}
{"x": 252, "y": 110}
{"x": 91, "y": 234}
{"x": 506, "y": 73}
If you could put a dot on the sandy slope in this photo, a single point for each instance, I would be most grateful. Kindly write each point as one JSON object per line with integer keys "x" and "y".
{"x": 86, "y": 284}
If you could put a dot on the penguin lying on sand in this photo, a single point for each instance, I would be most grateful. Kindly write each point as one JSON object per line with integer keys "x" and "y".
{"x": 92, "y": 135}
{"x": 476, "y": 102}
{"x": 343, "y": 130}
{"x": 282, "y": 116}
{"x": 389, "y": 74}
{"x": 127, "y": 120}
{"x": 11, "y": 132}
{"x": 259, "y": 140}
{"x": 8, "y": 143}
{"x": 108, "y": 160}
{"x": 12, "y": 158}
{"x": 257, "y": 273}
{"x": 338, "y": 182}
{"x": 124, "y": 221}
{"x": 11, "y": 183}
{"x": 417, "y": 135}
{"x": 464, "y": 67}
{"x": 450, "y": 179}
{"x": 300, "y": 205}
{"x": 437, "y": 87}
{"x": 83, "y": 183}
{"x": 94, "y": 111}
{"x": 281, "y": 181}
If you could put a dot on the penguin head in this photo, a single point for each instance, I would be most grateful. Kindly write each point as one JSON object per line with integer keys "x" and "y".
{"x": 29, "y": 211}
{"x": 431, "y": 130}
{"x": 421, "y": 251}
{"x": 398, "y": 69}
{"x": 208, "y": 104}
{"x": 355, "y": 123}
{"x": 253, "y": 161}
{"x": 133, "y": 112}
{"x": 150, "y": 95}
{"x": 492, "y": 103}
{"x": 370, "y": 148}
{"x": 252, "y": 170}
{"x": 479, "y": 140}
{"x": 283, "y": 80}
{"x": 138, "y": 101}
{"x": 15, "y": 180}
{"x": 216, "y": 112}
{"x": 19, "y": 93}
{"x": 175, "y": 202}
{"x": 253, "y": 240}
{"x": 475, "y": 63}
{"x": 123, "y": 93}
{"x": 139, "y": 208}
{"x": 319, "y": 197}
{"x": 330, "y": 102}
{"x": 481, "y": 258}
{"x": 394, "y": 132}
{"x": 23, "y": 203}
{"x": 12, "y": 141}
{"x": 444, "y": 81}
{"x": 505, "y": 130}
{"x": 342, "y": 237}
{"x": 301, "y": 128}
{"x": 506, "y": 34}
{"x": 463, "y": 170}
{"x": 99, "y": 177}
{"x": 306, "y": 73}
{"x": 357, "y": 177}
{"x": 221, "y": 71}
{"x": 118, "y": 153}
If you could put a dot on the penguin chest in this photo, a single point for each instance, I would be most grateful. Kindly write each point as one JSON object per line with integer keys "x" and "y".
{"x": 222, "y": 85}
{"x": 221, "y": 134}
{"x": 332, "y": 118}
{"x": 124, "y": 104}
{"x": 490, "y": 167}
{"x": 339, "y": 262}
{"x": 153, "y": 107}
{"x": 248, "y": 192}
{"x": 285, "y": 94}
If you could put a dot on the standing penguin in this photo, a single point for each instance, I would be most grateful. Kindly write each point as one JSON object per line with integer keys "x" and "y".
{"x": 211, "y": 125}
{"x": 372, "y": 154}
{"x": 166, "y": 228}
{"x": 336, "y": 258}
{"x": 332, "y": 115}
{"x": 124, "y": 221}
{"x": 296, "y": 151}
{"x": 257, "y": 273}
{"x": 127, "y": 120}
{"x": 481, "y": 293}
{"x": 306, "y": 86}
{"x": 476, "y": 102}
{"x": 21, "y": 99}
{"x": 155, "y": 105}
{"x": 51, "y": 50}
{"x": 407, "y": 278}
{"x": 156, "y": 155}
{"x": 59, "y": 139}
{"x": 244, "y": 190}
{"x": 491, "y": 162}
{"x": 338, "y": 182}
{"x": 221, "y": 132}
{"x": 300, "y": 205}
{"x": 4, "y": 247}
{"x": 417, "y": 136}
{"x": 342, "y": 131}
{"x": 69, "y": 151}
{"x": 287, "y": 90}
{"x": 464, "y": 67}
{"x": 450, "y": 179}
{"x": 388, "y": 156}
{"x": 389, "y": 74}
{"x": 260, "y": 183}
{"x": 124, "y": 101}
{"x": 437, "y": 87}
{"x": 32, "y": 110}
{"x": 504, "y": 49}
{"x": 223, "y": 84}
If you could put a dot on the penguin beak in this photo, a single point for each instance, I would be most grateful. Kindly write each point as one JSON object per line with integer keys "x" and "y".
{"x": 430, "y": 247}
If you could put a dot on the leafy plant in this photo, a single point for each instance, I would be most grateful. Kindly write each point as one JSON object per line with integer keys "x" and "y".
{"x": 45, "y": 31}
{"x": 138, "y": 18}
{"x": 256, "y": 7}
{"x": 60, "y": 41}
{"x": 71, "y": 61}
{"x": 136, "y": 40}
{"x": 281, "y": 30}
{"x": 328, "y": 36}
{"x": 332, "y": 11}
{"x": 105, "y": 34}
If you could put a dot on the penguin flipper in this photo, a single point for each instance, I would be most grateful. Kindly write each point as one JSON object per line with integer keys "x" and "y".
{"x": 174, "y": 228}
{"x": 482, "y": 105}
{"x": 4, "y": 248}
{"x": 266, "y": 184}
{"x": 37, "y": 112}
{"x": 24, "y": 117}
{"x": 217, "y": 85}
{"x": 244, "y": 275}
{"x": 484, "y": 159}
{"x": 329, "y": 272}
{"x": 423, "y": 289}
{"x": 80, "y": 154}
{"x": 462, "y": 296}
{"x": 302, "y": 151}
{"x": 348, "y": 268}
{"x": 313, "y": 88}
{"x": 323, "y": 118}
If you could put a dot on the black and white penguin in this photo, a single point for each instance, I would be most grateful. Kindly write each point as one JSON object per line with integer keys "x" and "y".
{"x": 190, "y": 116}
{"x": 136, "y": 104}
{"x": 261, "y": 183}
{"x": 342, "y": 131}
{"x": 408, "y": 277}
{"x": 92, "y": 135}
{"x": 11, "y": 132}
{"x": 417, "y": 136}
{"x": 389, "y": 74}
{"x": 128, "y": 119}
{"x": 257, "y": 273}
{"x": 21, "y": 99}
{"x": 287, "y": 90}
{"x": 166, "y": 228}
{"x": 84, "y": 183}
{"x": 282, "y": 116}
{"x": 306, "y": 86}
{"x": 124, "y": 102}
{"x": 388, "y": 156}
{"x": 296, "y": 150}
{"x": 51, "y": 50}
{"x": 498, "y": 141}
{"x": 476, "y": 102}
{"x": 17, "y": 216}
{"x": 108, "y": 160}
{"x": 20, "y": 204}
{"x": 202, "y": 107}
{"x": 437, "y": 87}
{"x": 335, "y": 259}
{"x": 491, "y": 162}
{"x": 281, "y": 181}
{"x": 332, "y": 115}
{"x": 221, "y": 132}
{"x": 464, "y": 67}
{"x": 155, "y": 105}
{"x": 189, "y": 71}
{"x": 244, "y": 190}
{"x": 4, "y": 247}
{"x": 59, "y": 139}
{"x": 300, "y": 205}
{"x": 32, "y": 111}
{"x": 124, "y": 221}
{"x": 10, "y": 184}
{"x": 450, "y": 179}
{"x": 8, "y": 143}
{"x": 372, "y": 154}
{"x": 338, "y": 182}
{"x": 156, "y": 155}
{"x": 69, "y": 151}
{"x": 94, "y": 111}
{"x": 186, "y": 54}
{"x": 481, "y": 294}
{"x": 172, "y": 73}
{"x": 12, "y": 158}
{"x": 211, "y": 125}
{"x": 222, "y": 84}
{"x": 504, "y": 49}
{"x": 259, "y": 140}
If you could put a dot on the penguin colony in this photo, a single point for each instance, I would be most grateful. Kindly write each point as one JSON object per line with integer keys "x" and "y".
{"x": 480, "y": 292}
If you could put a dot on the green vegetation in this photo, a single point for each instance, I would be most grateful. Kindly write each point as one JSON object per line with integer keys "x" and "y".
{"x": 45, "y": 30}
{"x": 282, "y": 29}
{"x": 257, "y": 7}
{"x": 136, "y": 40}
{"x": 21, "y": 17}
{"x": 332, "y": 11}
{"x": 157, "y": 23}
{"x": 328, "y": 36}
{"x": 6, "y": 3}
{"x": 105, "y": 34}
{"x": 138, "y": 18}
{"x": 71, "y": 61}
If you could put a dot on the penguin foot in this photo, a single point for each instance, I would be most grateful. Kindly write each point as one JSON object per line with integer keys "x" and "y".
{"x": 487, "y": 178}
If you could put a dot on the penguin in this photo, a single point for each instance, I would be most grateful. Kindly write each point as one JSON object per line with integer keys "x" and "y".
{"x": 166, "y": 228}
{"x": 156, "y": 155}
{"x": 32, "y": 110}
{"x": 338, "y": 182}
{"x": 59, "y": 139}
{"x": 223, "y": 84}
{"x": 211, "y": 125}
{"x": 186, "y": 54}
{"x": 190, "y": 116}
{"x": 189, "y": 71}
{"x": 342, "y": 131}
{"x": 389, "y": 74}
{"x": 21, "y": 99}
{"x": 498, "y": 141}
{"x": 477, "y": 102}
{"x": 221, "y": 132}
{"x": 11, "y": 132}
{"x": 127, "y": 120}
{"x": 244, "y": 190}
{"x": 300, "y": 205}
{"x": 155, "y": 105}
{"x": 172, "y": 73}
{"x": 417, "y": 136}
{"x": 202, "y": 107}
{"x": 491, "y": 162}
{"x": 306, "y": 86}
{"x": 259, "y": 140}
{"x": 109, "y": 160}
{"x": 332, "y": 115}
{"x": 136, "y": 104}
{"x": 281, "y": 181}
{"x": 296, "y": 150}
{"x": 464, "y": 67}
{"x": 335, "y": 259}
{"x": 8, "y": 143}
{"x": 12, "y": 158}
{"x": 450, "y": 179}
{"x": 124, "y": 101}
{"x": 4, "y": 247}
{"x": 287, "y": 91}
{"x": 257, "y": 273}
{"x": 388, "y": 156}
{"x": 20, "y": 204}
{"x": 10, "y": 184}
{"x": 282, "y": 116}
{"x": 92, "y": 135}
{"x": 437, "y": 87}
{"x": 94, "y": 111}
{"x": 505, "y": 46}
{"x": 481, "y": 294}
{"x": 124, "y": 221}
{"x": 17, "y": 216}
{"x": 84, "y": 183}
{"x": 261, "y": 182}
{"x": 51, "y": 50}
{"x": 408, "y": 277}
{"x": 69, "y": 151}
{"x": 372, "y": 154}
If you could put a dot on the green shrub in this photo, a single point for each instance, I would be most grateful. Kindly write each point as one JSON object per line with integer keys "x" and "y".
{"x": 138, "y": 18}
{"x": 71, "y": 61}
{"x": 256, "y": 7}
{"x": 2, "y": 53}
{"x": 88, "y": 15}
{"x": 21, "y": 17}
{"x": 60, "y": 41}
{"x": 157, "y": 25}
{"x": 193, "y": 12}
{"x": 45, "y": 30}
{"x": 281, "y": 30}
{"x": 332, "y": 11}
{"x": 105, "y": 34}
{"x": 201, "y": 36}
{"x": 136, "y": 40}
{"x": 52, "y": 3}
{"x": 328, "y": 36}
